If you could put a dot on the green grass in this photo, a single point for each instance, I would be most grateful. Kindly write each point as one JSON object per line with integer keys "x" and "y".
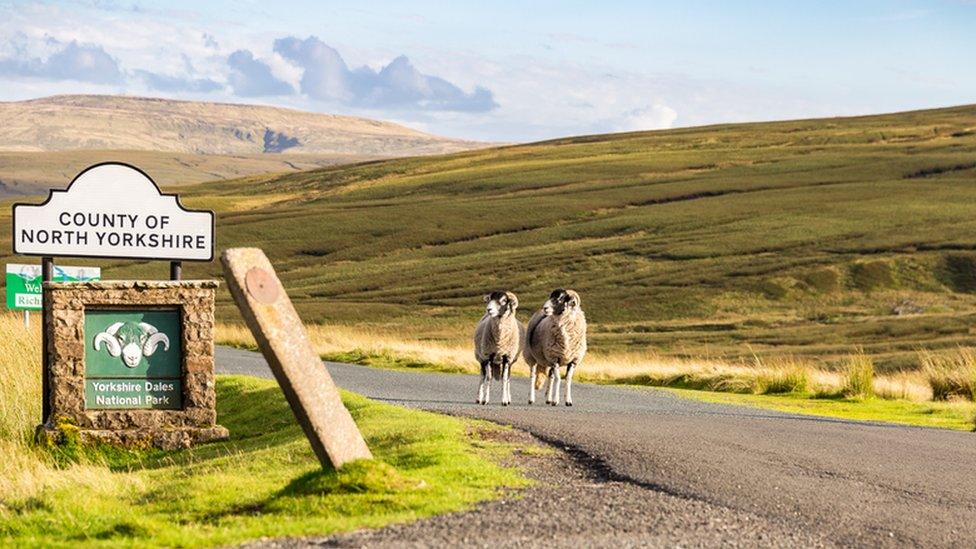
{"x": 800, "y": 238}
{"x": 944, "y": 415}
{"x": 265, "y": 481}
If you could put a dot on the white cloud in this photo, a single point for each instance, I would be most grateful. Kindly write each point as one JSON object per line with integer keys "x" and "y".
{"x": 655, "y": 117}
{"x": 397, "y": 85}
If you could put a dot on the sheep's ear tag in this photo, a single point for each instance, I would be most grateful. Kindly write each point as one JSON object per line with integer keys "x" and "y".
{"x": 261, "y": 285}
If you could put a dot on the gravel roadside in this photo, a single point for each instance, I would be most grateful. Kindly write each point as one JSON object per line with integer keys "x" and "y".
{"x": 576, "y": 502}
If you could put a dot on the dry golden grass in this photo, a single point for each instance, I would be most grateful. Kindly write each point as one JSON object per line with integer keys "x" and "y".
{"x": 858, "y": 376}
{"x": 24, "y": 471}
{"x": 951, "y": 374}
{"x": 20, "y": 377}
{"x": 767, "y": 375}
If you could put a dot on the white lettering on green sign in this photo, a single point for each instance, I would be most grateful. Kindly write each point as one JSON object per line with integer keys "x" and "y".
{"x": 133, "y": 359}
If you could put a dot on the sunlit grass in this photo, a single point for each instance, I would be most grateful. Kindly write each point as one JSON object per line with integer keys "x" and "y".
{"x": 398, "y": 349}
{"x": 944, "y": 415}
{"x": 951, "y": 374}
{"x": 264, "y": 481}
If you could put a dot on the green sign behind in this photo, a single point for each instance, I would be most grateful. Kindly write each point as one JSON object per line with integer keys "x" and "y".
{"x": 133, "y": 359}
{"x": 24, "y": 283}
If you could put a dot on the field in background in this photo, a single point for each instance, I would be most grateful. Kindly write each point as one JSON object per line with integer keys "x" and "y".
{"x": 941, "y": 394}
{"x": 807, "y": 239}
{"x": 264, "y": 481}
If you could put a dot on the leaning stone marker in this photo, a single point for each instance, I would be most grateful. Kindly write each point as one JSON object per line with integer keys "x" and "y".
{"x": 279, "y": 332}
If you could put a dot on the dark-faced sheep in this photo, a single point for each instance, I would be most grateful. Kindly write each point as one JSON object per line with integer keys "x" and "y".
{"x": 497, "y": 343}
{"x": 556, "y": 337}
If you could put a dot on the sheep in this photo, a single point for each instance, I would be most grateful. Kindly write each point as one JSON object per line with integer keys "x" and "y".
{"x": 498, "y": 340}
{"x": 556, "y": 337}
{"x": 532, "y": 351}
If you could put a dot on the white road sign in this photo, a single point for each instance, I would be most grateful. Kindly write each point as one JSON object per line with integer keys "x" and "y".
{"x": 113, "y": 210}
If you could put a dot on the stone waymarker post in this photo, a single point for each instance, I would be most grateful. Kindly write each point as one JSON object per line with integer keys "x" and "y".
{"x": 282, "y": 338}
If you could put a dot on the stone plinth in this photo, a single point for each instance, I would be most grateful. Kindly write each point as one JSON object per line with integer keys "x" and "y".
{"x": 64, "y": 321}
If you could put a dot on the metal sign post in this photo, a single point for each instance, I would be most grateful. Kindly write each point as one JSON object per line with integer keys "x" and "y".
{"x": 47, "y": 274}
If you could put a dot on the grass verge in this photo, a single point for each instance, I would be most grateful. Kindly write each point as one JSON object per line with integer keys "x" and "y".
{"x": 854, "y": 392}
{"x": 946, "y": 415}
{"x": 264, "y": 481}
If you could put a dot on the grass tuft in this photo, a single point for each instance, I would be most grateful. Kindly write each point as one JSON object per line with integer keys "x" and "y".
{"x": 858, "y": 376}
{"x": 358, "y": 477}
{"x": 951, "y": 374}
{"x": 785, "y": 375}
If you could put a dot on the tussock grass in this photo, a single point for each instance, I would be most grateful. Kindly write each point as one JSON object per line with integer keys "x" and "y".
{"x": 20, "y": 378}
{"x": 26, "y": 472}
{"x": 858, "y": 376}
{"x": 789, "y": 383}
{"x": 395, "y": 348}
{"x": 784, "y": 375}
{"x": 951, "y": 374}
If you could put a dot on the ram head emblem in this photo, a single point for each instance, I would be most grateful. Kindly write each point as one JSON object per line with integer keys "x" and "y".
{"x": 131, "y": 340}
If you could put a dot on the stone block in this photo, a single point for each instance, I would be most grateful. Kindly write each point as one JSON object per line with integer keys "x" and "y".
{"x": 64, "y": 324}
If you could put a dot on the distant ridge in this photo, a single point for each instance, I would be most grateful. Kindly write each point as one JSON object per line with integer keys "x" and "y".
{"x": 44, "y": 142}
{"x": 87, "y": 122}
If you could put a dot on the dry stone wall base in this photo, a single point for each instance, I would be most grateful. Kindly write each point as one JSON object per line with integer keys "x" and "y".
{"x": 65, "y": 325}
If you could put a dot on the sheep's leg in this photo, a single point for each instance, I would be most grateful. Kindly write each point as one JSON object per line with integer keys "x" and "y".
{"x": 532, "y": 384}
{"x": 486, "y": 377}
{"x": 548, "y": 384}
{"x": 485, "y": 367}
{"x": 506, "y": 389}
{"x": 551, "y": 384}
{"x": 555, "y": 381}
{"x": 570, "y": 368}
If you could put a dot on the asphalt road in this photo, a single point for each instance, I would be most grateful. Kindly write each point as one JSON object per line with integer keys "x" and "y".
{"x": 842, "y": 482}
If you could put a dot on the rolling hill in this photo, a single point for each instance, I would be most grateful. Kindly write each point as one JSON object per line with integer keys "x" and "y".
{"x": 807, "y": 237}
{"x": 43, "y": 141}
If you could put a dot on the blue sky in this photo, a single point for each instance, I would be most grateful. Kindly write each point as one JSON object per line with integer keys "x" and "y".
{"x": 505, "y": 71}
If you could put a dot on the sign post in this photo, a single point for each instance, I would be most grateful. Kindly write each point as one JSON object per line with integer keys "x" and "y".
{"x": 127, "y": 361}
{"x": 113, "y": 210}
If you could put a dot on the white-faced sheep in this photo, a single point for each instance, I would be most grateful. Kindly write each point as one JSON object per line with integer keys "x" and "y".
{"x": 556, "y": 337}
{"x": 497, "y": 343}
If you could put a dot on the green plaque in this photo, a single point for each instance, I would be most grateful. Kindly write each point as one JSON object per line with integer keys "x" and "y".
{"x": 133, "y": 359}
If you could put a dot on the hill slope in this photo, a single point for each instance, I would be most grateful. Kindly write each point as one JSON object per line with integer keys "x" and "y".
{"x": 71, "y": 122}
{"x": 45, "y": 142}
{"x": 803, "y": 237}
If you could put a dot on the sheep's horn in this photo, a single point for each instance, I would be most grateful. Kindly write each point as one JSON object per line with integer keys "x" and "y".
{"x": 154, "y": 340}
{"x": 111, "y": 343}
{"x": 147, "y": 328}
{"x": 114, "y": 328}
{"x": 573, "y": 295}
